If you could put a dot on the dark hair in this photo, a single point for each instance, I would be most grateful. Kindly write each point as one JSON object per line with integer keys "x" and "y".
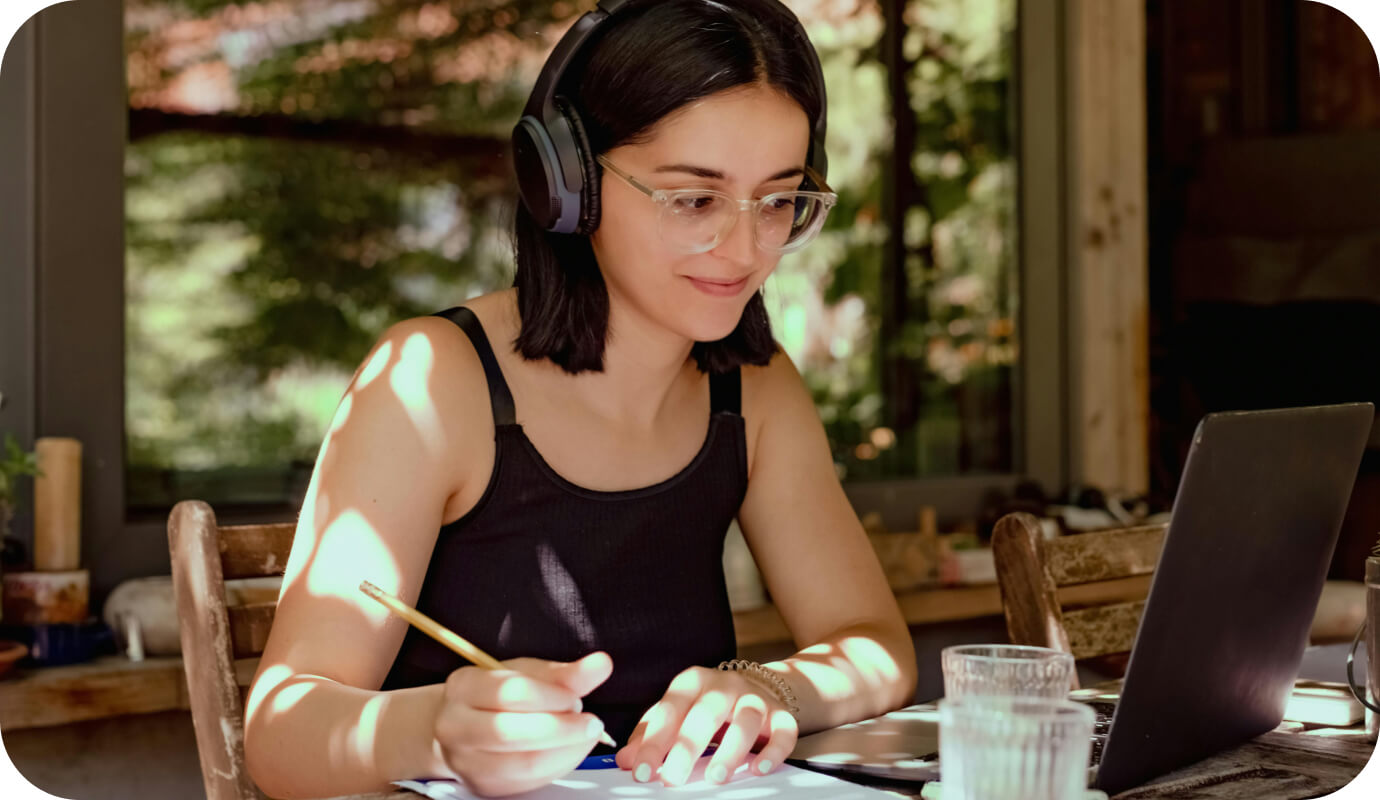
{"x": 653, "y": 59}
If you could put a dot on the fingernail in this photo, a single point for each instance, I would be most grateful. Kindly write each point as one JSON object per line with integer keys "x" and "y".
{"x": 764, "y": 766}
{"x": 643, "y": 773}
{"x": 716, "y": 773}
{"x": 596, "y": 727}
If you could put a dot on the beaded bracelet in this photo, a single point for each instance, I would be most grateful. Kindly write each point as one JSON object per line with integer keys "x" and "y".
{"x": 775, "y": 682}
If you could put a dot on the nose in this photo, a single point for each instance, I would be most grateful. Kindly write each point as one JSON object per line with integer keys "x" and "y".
{"x": 739, "y": 247}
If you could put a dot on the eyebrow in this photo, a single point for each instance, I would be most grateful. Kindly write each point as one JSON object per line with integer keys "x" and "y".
{"x": 714, "y": 174}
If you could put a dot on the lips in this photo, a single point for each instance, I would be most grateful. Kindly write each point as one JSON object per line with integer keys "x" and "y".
{"x": 719, "y": 287}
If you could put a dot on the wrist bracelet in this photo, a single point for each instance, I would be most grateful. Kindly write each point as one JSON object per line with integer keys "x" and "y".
{"x": 774, "y": 682}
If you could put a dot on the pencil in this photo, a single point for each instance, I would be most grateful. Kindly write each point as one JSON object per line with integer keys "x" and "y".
{"x": 444, "y": 635}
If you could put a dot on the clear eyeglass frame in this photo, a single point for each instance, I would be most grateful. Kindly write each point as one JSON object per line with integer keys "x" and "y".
{"x": 665, "y": 199}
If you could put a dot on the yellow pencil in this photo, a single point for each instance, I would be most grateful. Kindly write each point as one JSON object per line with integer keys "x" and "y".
{"x": 444, "y": 635}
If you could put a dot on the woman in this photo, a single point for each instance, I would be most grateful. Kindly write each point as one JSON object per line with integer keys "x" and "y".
{"x": 551, "y": 469}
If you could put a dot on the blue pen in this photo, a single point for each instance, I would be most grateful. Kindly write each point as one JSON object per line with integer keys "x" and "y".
{"x": 606, "y": 761}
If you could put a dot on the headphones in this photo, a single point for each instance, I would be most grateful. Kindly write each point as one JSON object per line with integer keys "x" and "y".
{"x": 557, "y": 176}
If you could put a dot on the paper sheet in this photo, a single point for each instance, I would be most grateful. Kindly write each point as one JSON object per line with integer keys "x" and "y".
{"x": 785, "y": 781}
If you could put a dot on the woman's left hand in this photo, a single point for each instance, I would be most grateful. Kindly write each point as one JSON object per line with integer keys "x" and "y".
{"x": 700, "y": 702}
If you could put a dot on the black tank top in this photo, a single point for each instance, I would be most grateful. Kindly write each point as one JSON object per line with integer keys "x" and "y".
{"x": 545, "y": 568}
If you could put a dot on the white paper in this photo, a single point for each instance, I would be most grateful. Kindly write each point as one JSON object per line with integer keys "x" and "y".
{"x": 785, "y": 781}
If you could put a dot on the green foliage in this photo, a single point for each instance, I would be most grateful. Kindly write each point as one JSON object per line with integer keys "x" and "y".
{"x": 260, "y": 268}
{"x": 15, "y": 464}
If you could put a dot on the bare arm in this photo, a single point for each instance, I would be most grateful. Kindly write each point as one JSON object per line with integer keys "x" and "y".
{"x": 315, "y": 723}
{"x": 857, "y": 659}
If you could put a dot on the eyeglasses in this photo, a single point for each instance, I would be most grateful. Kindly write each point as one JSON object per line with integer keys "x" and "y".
{"x": 698, "y": 220}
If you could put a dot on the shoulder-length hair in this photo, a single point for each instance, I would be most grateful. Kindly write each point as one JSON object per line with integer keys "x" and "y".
{"x": 653, "y": 60}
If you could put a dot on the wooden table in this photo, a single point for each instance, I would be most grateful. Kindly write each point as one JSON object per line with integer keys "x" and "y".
{"x": 1292, "y": 762}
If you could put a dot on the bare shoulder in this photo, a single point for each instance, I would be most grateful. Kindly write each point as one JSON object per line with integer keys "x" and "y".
{"x": 765, "y": 387}
{"x": 775, "y": 394}
{"x": 426, "y": 362}
{"x": 423, "y": 382}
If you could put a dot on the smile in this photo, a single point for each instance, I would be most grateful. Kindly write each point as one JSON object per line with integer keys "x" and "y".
{"x": 719, "y": 288}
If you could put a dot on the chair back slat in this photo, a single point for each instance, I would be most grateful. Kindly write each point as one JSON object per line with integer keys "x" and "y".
{"x": 1032, "y": 571}
{"x": 1104, "y": 555}
{"x": 249, "y": 625}
{"x": 1100, "y": 630}
{"x": 255, "y": 551}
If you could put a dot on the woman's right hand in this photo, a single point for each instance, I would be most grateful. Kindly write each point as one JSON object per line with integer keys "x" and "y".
{"x": 517, "y": 729}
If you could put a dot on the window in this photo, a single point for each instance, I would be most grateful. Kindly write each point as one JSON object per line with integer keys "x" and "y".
{"x": 301, "y": 175}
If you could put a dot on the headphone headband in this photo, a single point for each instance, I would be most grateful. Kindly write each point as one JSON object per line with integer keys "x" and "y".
{"x": 541, "y": 103}
{"x": 556, "y": 172}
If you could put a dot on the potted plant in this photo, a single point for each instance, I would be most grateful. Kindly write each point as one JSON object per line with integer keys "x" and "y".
{"x": 15, "y": 463}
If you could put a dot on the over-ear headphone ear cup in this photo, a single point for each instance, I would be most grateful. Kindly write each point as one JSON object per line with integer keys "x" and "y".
{"x": 589, "y": 169}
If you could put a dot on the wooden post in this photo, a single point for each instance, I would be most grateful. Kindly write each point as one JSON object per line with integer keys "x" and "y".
{"x": 1108, "y": 283}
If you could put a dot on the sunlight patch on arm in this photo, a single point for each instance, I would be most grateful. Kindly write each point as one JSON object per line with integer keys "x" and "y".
{"x": 831, "y": 682}
{"x": 874, "y": 664}
{"x": 289, "y": 696}
{"x": 271, "y": 679}
{"x": 375, "y": 366}
{"x": 352, "y": 551}
{"x": 409, "y": 380}
{"x": 342, "y": 413}
{"x": 362, "y": 738}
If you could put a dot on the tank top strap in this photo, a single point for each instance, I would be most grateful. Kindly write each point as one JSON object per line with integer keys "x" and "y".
{"x": 500, "y": 399}
{"x": 726, "y": 392}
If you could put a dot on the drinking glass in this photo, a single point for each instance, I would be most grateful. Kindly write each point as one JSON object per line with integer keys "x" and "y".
{"x": 1014, "y": 748}
{"x": 1373, "y": 643}
{"x": 1006, "y": 669}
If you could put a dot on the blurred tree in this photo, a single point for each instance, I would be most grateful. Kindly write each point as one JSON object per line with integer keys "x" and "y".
{"x": 302, "y": 174}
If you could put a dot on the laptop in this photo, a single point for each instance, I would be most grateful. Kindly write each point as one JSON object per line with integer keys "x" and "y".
{"x": 1254, "y": 524}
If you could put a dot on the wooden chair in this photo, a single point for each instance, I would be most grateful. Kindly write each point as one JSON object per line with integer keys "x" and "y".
{"x": 214, "y": 636}
{"x": 1031, "y": 573}
{"x": 1045, "y": 586}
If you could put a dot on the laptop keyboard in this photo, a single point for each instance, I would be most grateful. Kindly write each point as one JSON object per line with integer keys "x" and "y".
{"x": 1102, "y": 725}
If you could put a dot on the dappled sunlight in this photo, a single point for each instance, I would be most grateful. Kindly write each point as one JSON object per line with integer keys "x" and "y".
{"x": 875, "y": 665}
{"x": 342, "y": 414}
{"x": 657, "y": 717}
{"x": 840, "y": 757}
{"x": 351, "y": 550}
{"x": 831, "y": 680}
{"x": 853, "y": 675}
{"x": 1352, "y": 734}
{"x": 409, "y": 381}
{"x": 287, "y": 697}
{"x": 925, "y": 714}
{"x": 516, "y": 690}
{"x": 264, "y": 685}
{"x": 564, "y": 592}
{"x": 316, "y": 505}
{"x": 361, "y": 741}
{"x": 320, "y": 504}
{"x": 519, "y": 726}
{"x": 375, "y": 366}
{"x": 903, "y": 743}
